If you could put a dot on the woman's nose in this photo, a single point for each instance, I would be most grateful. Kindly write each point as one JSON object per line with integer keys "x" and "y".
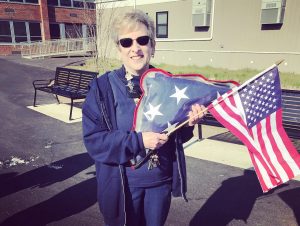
{"x": 135, "y": 46}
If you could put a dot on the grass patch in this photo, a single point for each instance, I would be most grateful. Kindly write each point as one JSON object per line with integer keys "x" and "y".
{"x": 288, "y": 80}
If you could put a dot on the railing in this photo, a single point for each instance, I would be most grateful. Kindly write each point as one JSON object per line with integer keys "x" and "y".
{"x": 58, "y": 47}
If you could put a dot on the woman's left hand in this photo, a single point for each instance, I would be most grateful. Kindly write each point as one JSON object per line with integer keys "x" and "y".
{"x": 196, "y": 113}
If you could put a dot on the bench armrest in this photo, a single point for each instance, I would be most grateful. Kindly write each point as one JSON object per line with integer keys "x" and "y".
{"x": 42, "y": 82}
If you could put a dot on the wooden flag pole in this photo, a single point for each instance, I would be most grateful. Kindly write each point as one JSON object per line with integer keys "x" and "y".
{"x": 229, "y": 94}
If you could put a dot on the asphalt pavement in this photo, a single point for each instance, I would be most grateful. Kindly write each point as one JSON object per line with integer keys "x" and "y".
{"x": 47, "y": 177}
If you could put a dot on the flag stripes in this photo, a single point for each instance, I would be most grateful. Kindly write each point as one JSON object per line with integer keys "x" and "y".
{"x": 273, "y": 155}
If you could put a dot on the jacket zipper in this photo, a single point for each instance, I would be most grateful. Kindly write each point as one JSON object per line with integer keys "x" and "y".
{"x": 109, "y": 126}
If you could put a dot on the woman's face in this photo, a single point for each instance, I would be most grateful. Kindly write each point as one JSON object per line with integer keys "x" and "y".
{"x": 136, "y": 57}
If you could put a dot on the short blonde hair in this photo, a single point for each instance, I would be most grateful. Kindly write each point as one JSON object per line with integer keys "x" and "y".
{"x": 129, "y": 21}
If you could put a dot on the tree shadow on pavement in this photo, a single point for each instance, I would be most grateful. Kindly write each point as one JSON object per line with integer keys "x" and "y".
{"x": 71, "y": 201}
{"x": 292, "y": 199}
{"x": 45, "y": 175}
{"x": 233, "y": 200}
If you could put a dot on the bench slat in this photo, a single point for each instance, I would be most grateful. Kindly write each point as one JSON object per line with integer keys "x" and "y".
{"x": 70, "y": 83}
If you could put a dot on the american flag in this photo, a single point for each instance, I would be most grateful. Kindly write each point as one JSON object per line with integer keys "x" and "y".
{"x": 253, "y": 113}
{"x": 167, "y": 98}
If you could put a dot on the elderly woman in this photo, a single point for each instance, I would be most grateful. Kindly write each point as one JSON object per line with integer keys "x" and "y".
{"x": 126, "y": 196}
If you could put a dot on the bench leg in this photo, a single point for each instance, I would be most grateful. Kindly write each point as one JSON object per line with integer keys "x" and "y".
{"x": 34, "y": 99}
{"x": 70, "y": 117}
{"x": 57, "y": 99}
{"x": 200, "y": 132}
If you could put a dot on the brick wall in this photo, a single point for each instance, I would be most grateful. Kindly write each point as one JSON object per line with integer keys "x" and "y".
{"x": 30, "y": 12}
{"x": 67, "y": 15}
{"x": 25, "y": 12}
{"x": 8, "y": 50}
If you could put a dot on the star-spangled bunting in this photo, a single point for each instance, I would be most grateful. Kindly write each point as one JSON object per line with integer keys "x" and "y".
{"x": 166, "y": 98}
{"x": 253, "y": 113}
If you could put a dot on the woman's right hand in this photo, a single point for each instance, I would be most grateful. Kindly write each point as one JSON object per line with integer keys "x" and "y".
{"x": 154, "y": 140}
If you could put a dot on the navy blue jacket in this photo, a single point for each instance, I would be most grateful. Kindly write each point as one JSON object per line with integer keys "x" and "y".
{"x": 111, "y": 149}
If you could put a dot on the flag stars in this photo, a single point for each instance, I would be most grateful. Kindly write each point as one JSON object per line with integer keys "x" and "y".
{"x": 179, "y": 94}
{"x": 153, "y": 111}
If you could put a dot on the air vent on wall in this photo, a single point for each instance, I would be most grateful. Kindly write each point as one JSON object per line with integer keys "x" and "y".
{"x": 272, "y": 11}
{"x": 201, "y": 13}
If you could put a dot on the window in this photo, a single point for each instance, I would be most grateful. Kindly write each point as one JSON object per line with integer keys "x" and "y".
{"x": 91, "y": 31}
{"x": 89, "y": 4}
{"x": 54, "y": 31}
{"x": 20, "y": 31}
{"x": 65, "y": 3}
{"x": 35, "y": 31}
{"x": 78, "y": 4}
{"x": 5, "y": 34}
{"x": 73, "y": 30}
{"x": 32, "y": 1}
{"x": 53, "y": 2}
{"x": 162, "y": 24}
{"x": 22, "y": 1}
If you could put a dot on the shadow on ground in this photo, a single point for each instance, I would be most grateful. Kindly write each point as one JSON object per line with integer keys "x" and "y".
{"x": 45, "y": 175}
{"x": 71, "y": 201}
{"x": 224, "y": 205}
{"x": 292, "y": 199}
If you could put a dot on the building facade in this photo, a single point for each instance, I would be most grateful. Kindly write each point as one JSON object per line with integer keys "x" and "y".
{"x": 35, "y": 20}
{"x": 231, "y": 34}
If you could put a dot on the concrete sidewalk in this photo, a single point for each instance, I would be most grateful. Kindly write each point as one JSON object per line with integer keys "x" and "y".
{"x": 231, "y": 152}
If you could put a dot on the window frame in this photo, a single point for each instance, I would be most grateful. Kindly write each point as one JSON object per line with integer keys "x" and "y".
{"x": 86, "y": 4}
{"x": 29, "y": 38}
{"x": 21, "y": 1}
{"x": 166, "y": 25}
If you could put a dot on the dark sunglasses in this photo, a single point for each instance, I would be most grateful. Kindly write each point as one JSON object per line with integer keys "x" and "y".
{"x": 127, "y": 42}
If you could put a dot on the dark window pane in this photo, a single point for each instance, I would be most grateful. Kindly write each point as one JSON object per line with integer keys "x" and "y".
{"x": 4, "y": 28}
{"x": 162, "y": 30}
{"x": 54, "y": 31}
{"x": 53, "y": 2}
{"x": 16, "y": 0}
{"x": 19, "y": 28}
{"x": 78, "y": 4}
{"x": 90, "y": 5}
{"x": 5, "y": 39}
{"x": 35, "y": 29}
{"x": 65, "y": 2}
{"x": 32, "y": 1}
{"x": 35, "y": 38}
{"x": 73, "y": 30}
{"x": 21, "y": 39}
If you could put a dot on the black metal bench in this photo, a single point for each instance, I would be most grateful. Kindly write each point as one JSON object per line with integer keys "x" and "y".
{"x": 290, "y": 115}
{"x": 70, "y": 83}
